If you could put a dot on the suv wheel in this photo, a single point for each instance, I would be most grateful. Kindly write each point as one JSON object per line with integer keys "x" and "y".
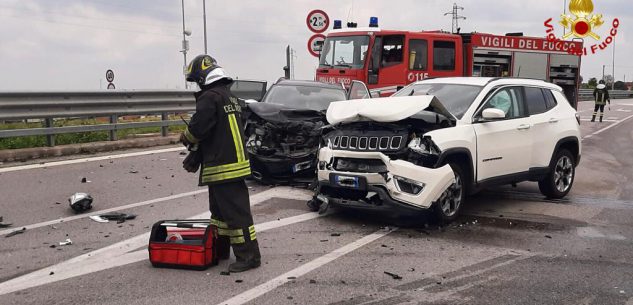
{"x": 560, "y": 178}
{"x": 449, "y": 204}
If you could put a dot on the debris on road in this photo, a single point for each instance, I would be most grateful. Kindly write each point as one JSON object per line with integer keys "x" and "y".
{"x": 67, "y": 242}
{"x": 99, "y": 219}
{"x": 239, "y": 281}
{"x": 393, "y": 275}
{"x": 183, "y": 153}
{"x": 133, "y": 172}
{"x": 548, "y": 236}
{"x": 16, "y": 232}
{"x": 51, "y": 273}
{"x": 85, "y": 180}
{"x": 80, "y": 202}
{"x": 53, "y": 246}
{"x": 225, "y": 273}
{"x": 4, "y": 224}
{"x": 119, "y": 217}
{"x": 148, "y": 177}
{"x": 292, "y": 277}
{"x": 335, "y": 234}
{"x": 312, "y": 281}
{"x": 411, "y": 269}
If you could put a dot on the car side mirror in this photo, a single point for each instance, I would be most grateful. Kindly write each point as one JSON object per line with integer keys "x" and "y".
{"x": 493, "y": 114}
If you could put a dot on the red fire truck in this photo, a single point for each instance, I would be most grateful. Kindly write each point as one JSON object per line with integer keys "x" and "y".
{"x": 387, "y": 60}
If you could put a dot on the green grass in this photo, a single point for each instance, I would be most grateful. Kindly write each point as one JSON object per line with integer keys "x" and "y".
{"x": 75, "y": 138}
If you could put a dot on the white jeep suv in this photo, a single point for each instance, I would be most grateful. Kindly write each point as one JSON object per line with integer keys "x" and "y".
{"x": 437, "y": 140}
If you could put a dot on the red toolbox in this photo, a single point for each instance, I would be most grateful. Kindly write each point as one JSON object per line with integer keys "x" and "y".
{"x": 188, "y": 244}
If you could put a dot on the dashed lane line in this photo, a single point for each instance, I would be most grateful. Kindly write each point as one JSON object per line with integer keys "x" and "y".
{"x": 274, "y": 283}
{"x": 91, "y": 159}
{"x": 119, "y": 254}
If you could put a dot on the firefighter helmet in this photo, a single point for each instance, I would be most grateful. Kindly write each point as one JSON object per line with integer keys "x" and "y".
{"x": 204, "y": 70}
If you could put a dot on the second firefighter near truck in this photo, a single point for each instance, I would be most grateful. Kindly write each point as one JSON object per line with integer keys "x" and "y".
{"x": 216, "y": 129}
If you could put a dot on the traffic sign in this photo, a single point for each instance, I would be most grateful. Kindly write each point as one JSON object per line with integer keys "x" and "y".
{"x": 111, "y": 86}
{"x": 315, "y": 43}
{"x": 109, "y": 76}
{"x": 318, "y": 21}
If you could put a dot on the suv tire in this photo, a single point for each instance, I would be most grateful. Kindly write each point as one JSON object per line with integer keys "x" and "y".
{"x": 450, "y": 203}
{"x": 562, "y": 171}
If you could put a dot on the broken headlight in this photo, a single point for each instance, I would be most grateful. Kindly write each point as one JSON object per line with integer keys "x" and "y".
{"x": 408, "y": 186}
{"x": 422, "y": 146}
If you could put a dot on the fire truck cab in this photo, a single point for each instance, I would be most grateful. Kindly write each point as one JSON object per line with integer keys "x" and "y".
{"x": 388, "y": 60}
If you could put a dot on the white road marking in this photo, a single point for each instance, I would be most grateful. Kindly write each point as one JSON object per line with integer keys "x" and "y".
{"x": 119, "y": 254}
{"x": 590, "y": 232}
{"x": 266, "y": 287}
{"x": 91, "y": 159}
{"x": 608, "y": 120}
{"x": 624, "y": 110}
{"x": 607, "y": 128}
{"x": 114, "y": 209}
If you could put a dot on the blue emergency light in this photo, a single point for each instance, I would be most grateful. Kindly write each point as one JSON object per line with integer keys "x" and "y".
{"x": 373, "y": 22}
{"x": 338, "y": 24}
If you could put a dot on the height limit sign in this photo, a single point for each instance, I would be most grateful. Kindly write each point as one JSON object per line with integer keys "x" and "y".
{"x": 110, "y": 79}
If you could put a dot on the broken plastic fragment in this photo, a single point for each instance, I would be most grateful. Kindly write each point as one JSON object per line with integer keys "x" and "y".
{"x": 80, "y": 202}
{"x": 99, "y": 219}
{"x": 4, "y": 224}
{"x": 67, "y": 242}
{"x": 393, "y": 275}
{"x": 16, "y": 232}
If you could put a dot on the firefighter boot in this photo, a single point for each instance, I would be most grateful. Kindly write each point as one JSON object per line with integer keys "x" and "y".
{"x": 601, "y": 117}
{"x": 224, "y": 247}
{"x": 247, "y": 256}
{"x": 593, "y": 117}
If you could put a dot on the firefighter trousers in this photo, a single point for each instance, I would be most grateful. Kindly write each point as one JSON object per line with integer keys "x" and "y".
{"x": 231, "y": 213}
{"x": 595, "y": 112}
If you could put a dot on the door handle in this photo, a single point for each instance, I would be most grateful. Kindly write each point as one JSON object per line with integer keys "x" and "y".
{"x": 553, "y": 120}
{"x": 523, "y": 127}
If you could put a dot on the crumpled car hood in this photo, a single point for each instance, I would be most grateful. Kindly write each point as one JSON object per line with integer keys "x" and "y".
{"x": 280, "y": 113}
{"x": 388, "y": 109}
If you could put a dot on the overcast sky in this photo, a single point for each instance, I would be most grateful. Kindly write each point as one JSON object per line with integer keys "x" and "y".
{"x": 69, "y": 44}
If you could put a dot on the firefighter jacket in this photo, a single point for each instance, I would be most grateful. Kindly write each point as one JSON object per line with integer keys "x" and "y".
{"x": 218, "y": 129}
{"x": 601, "y": 95}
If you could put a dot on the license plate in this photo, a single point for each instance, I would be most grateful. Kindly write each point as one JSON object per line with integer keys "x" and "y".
{"x": 347, "y": 181}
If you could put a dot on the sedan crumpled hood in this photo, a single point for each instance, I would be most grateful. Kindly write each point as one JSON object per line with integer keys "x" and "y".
{"x": 280, "y": 113}
{"x": 388, "y": 109}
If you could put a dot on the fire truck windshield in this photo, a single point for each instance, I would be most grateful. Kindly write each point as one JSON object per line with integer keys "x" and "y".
{"x": 344, "y": 52}
{"x": 455, "y": 98}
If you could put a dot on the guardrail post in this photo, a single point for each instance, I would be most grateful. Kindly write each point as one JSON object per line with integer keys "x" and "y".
{"x": 50, "y": 138}
{"x": 113, "y": 120}
{"x": 165, "y": 129}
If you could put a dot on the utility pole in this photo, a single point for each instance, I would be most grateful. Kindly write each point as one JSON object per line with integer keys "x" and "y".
{"x": 603, "y": 72}
{"x": 613, "y": 84}
{"x": 204, "y": 16}
{"x": 455, "y": 26}
{"x": 288, "y": 67}
{"x": 185, "y": 43}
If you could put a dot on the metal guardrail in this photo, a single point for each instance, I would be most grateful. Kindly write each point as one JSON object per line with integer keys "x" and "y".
{"x": 18, "y": 106}
{"x": 587, "y": 94}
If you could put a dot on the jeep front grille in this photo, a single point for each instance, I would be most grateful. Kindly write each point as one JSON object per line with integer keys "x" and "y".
{"x": 356, "y": 143}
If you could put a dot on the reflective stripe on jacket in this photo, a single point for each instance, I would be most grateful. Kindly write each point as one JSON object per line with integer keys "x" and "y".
{"x": 217, "y": 127}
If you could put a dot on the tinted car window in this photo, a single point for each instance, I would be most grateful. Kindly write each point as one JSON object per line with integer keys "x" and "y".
{"x": 535, "y": 100}
{"x": 304, "y": 97}
{"x": 550, "y": 101}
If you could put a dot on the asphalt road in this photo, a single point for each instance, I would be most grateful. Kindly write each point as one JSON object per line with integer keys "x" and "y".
{"x": 511, "y": 247}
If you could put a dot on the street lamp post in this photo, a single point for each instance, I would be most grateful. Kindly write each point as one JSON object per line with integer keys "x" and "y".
{"x": 204, "y": 16}
{"x": 185, "y": 43}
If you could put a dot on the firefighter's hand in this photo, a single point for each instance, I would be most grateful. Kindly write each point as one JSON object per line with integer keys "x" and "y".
{"x": 184, "y": 140}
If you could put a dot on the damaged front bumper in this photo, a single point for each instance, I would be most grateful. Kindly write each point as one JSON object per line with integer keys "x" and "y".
{"x": 283, "y": 169}
{"x": 378, "y": 183}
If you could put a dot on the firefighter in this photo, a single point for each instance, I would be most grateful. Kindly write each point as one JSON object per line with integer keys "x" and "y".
{"x": 601, "y": 97}
{"x": 217, "y": 129}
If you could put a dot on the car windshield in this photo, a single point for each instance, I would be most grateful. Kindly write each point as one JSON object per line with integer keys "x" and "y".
{"x": 455, "y": 98}
{"x": 344, "y": 52}
{"x": 304, "y": 97}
